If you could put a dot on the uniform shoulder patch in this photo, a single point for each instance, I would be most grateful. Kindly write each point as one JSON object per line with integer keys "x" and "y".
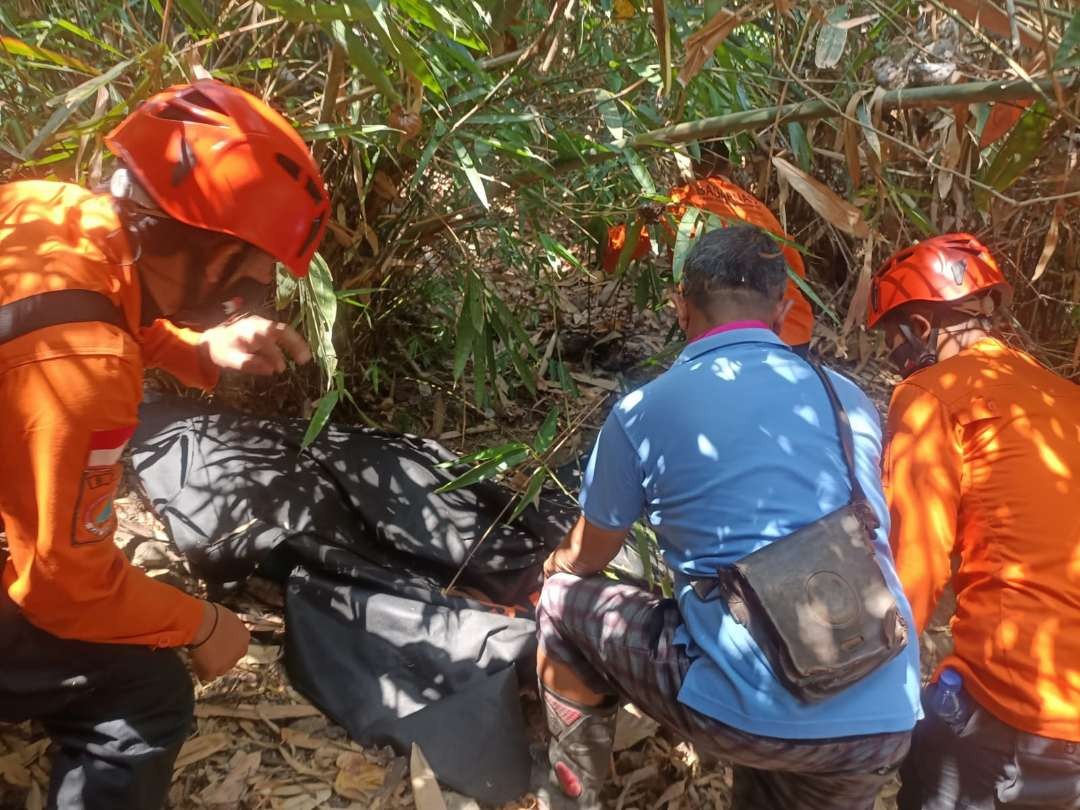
{"x": 94, "y": 519}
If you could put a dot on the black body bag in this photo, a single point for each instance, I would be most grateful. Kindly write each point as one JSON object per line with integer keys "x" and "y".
{"x": 816, "y": 601}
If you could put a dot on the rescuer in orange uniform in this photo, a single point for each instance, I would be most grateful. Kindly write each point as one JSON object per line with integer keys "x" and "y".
{"x": 213, "y": 187}
{"x": 983, "y": 464}
{"x": 715, "y": 195}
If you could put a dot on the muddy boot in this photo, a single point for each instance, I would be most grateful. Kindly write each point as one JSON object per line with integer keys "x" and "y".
{"x": 579, "y": 750}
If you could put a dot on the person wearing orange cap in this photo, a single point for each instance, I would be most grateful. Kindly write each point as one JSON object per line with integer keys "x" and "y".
{"x": 213, "y": 189}
{"x": 718, "y": 196}
{"x": 983, "y": 464}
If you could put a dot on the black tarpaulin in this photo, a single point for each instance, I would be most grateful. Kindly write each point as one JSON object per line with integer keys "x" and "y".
{"x": 355, "y": 528}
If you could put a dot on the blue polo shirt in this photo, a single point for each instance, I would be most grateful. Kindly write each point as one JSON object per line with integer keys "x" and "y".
{"x": 731, "y": 449}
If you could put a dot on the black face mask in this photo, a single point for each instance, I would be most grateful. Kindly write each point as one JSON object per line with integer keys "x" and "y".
{"x": 245, "y": 296}
{"x": 914, "y": 354}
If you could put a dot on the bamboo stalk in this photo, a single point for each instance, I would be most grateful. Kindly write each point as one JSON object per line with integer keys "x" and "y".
{"x": 718, "y": 126}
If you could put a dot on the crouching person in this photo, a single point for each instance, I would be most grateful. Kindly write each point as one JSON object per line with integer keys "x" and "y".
{"x": 982, "y": 465}
{"x": 737, "y": 453}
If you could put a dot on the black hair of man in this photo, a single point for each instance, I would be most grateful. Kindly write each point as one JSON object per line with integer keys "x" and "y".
{"x": 740, "y": 262}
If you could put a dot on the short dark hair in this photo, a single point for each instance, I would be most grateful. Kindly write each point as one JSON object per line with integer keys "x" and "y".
{"x": 737, "y": 257}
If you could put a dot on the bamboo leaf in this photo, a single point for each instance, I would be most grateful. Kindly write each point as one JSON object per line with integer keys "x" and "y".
{"x": 682, "y": 242}
{"x": 800, "y": 145}
{"x": 67, "y": 103}
{"x": 531, "y": 494}
{"x": 487, "y": 469}
{"x": 822, "y": 199}
{"x": 16, "y": 47}
{"x": 466, "y": 162}
{"x": 609, "y": 113}
{"x": 463, "y": 345}
{"x": 474, "y": 299}
{"x": 360, "y": 57}
{"x": 320, "y": 307}
{"x": 832, "y": 39}
{"x": 546, "y": 433}
{"x": 327, "y": 403}
{"x": 640, "y": 172}
{"x": 438, "y": 17}
{"x": 1049, "y": 246}
{"x": 1016, "y": 154}
{"x": 1068, "y": 55}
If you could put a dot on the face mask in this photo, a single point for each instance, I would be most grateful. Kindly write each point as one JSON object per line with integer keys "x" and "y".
{"x": 913, "y": 354}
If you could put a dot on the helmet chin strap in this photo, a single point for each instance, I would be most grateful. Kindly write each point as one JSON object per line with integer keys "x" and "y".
{"x": 914, "y": 353}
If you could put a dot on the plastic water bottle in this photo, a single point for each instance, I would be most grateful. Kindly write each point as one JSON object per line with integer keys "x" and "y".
{"x": 947, "y": 699}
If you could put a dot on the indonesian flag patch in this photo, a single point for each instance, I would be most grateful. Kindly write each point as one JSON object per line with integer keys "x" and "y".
{"x": 94, "y": 518}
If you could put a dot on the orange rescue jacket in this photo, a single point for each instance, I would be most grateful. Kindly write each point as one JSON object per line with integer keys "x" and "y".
{"x": 725, "y": 199}
{"x": 69, "y": 397}
{"x": 983, "y": 461}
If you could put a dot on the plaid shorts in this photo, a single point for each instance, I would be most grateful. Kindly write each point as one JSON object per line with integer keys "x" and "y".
{"x": 618, "y": 639}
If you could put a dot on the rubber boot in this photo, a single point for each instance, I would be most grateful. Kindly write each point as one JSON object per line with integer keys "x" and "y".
{"x": 580, "y": 747}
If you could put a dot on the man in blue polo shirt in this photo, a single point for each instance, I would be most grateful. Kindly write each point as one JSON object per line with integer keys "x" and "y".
{"x": 733, "y": 448}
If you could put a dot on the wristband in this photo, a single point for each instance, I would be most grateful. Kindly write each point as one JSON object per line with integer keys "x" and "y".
{"x": 213, "y": 627}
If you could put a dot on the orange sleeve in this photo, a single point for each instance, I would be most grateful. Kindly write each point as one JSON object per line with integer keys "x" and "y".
{"x": 66, "y": 420}
{"x": 922, "y": 474}
{"x": 176, "y": 350}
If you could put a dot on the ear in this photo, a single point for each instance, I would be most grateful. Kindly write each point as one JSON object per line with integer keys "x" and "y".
{"x": 682, "y": 309}
{"x": 780, "y": 314}
{"x": 921, "y": 326}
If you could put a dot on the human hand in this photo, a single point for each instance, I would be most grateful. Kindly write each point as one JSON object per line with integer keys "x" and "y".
{"x": 221, "y": 641}
{"x": 254, "y": 345}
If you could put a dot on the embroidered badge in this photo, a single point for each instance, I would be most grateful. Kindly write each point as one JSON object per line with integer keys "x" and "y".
{"x": 94, "y": 518}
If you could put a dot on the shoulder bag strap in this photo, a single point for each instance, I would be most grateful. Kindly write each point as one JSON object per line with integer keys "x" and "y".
{"x": 843, "y": 428}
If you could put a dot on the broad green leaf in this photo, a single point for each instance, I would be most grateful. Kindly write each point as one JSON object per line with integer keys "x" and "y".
{"x": 682, "y": 242}
{"x": 609, "y": 113}
{"x": 486, "y": 470}
{"x": 1016, "y": 153}
{"x": 546, "y": 434}
{"x": 1068, "y": 55}
{"x": 473, "y": 176}
{"x": 327, "y": 403}
{"x": 831, "y": 39}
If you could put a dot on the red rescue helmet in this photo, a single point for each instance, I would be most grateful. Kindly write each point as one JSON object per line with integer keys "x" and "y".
{"x": 943, "y": 269}
{"x": 215, "y": 157}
